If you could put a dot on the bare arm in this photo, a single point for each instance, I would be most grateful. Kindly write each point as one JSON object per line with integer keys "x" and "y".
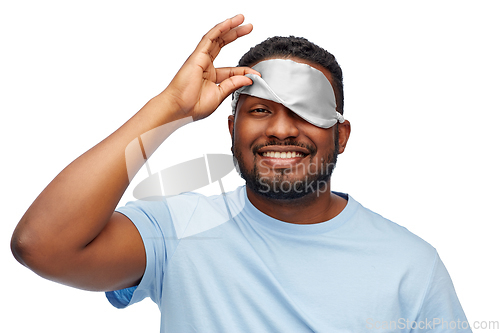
{"x": 71, "y": 234}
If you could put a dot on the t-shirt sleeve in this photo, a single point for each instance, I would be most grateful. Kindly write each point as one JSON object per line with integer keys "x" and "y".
{"x": 153, "y": 221}
{"x": 441, "y": 310}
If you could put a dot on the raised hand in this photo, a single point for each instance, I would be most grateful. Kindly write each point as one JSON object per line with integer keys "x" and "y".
{"x": 199, "y": 88}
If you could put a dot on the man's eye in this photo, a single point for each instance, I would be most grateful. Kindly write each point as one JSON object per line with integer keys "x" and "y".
{"x": 259, "y": 110}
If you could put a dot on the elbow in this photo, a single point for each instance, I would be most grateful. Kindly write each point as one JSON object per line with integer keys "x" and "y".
{"x": 30, "y": 246}
{"x": 33, "y": 253}
{"x": 20, "y": 247}
{"x": 40, "y": 253}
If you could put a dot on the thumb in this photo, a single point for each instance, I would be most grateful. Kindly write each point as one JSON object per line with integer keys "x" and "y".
{"x": 233, "y": 83}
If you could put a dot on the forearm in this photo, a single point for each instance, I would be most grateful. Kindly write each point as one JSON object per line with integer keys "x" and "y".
{"x": 74, "y": 208}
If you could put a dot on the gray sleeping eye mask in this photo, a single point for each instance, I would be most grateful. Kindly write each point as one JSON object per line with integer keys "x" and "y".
{"x": 299, "y": 87}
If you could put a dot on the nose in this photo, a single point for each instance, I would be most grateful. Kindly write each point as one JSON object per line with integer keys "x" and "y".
{"x": 282, "y": 124}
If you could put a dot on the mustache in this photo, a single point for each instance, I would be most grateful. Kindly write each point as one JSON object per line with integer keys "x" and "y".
{"x": 290, "y": 142}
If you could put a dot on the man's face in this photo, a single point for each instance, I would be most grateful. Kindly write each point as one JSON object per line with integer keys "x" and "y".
{"x": 279, "y": 154}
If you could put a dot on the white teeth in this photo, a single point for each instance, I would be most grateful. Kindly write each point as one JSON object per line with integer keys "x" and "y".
{"x": 277, "y": 154}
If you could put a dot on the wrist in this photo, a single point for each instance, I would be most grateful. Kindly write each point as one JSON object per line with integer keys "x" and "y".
{"x": 166, "y": 108}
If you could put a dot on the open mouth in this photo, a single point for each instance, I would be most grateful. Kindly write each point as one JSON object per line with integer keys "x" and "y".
{"x": 280, "y": 159}
{"x": 282, "y": 154}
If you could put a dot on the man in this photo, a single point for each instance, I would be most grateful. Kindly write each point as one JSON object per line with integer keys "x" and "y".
{"x": 282, "y": 254}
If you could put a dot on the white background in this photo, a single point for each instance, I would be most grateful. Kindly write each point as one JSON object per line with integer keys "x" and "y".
{"x": 421, "y": 93}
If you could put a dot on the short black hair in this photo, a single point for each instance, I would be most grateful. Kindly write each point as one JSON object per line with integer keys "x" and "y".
{"x": 299, "y": 47}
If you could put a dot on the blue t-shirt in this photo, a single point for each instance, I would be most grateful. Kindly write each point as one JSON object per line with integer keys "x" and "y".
{"x": 211, "y": 271}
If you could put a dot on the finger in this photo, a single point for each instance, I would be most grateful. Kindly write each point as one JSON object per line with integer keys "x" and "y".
{"x": 229, "y": 37}
{"x": 223, "y": 34}
{"x": 227, "y": 72}
{"x": 217, "y": 31}
{"x": 223, "y": 27}
{"x": 231, "y": 84}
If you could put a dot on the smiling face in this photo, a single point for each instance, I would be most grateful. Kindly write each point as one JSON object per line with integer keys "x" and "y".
{"x": 279, "y": 154}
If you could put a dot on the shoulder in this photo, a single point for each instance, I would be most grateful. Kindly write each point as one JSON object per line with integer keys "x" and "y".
{"x": 182, "y": 204}
{"x": 391, "y": 237}
{"x": 190, "y": 213}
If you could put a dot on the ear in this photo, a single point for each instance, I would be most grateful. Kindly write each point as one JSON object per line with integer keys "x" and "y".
{"x": 344, "y": 130}
{"x": 230, "y": 125}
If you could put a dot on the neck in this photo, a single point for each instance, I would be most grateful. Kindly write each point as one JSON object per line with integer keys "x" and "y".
{"x": 315, "y": 207}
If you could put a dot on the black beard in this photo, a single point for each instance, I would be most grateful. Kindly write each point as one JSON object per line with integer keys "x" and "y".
{"x": 279, "y": 187}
